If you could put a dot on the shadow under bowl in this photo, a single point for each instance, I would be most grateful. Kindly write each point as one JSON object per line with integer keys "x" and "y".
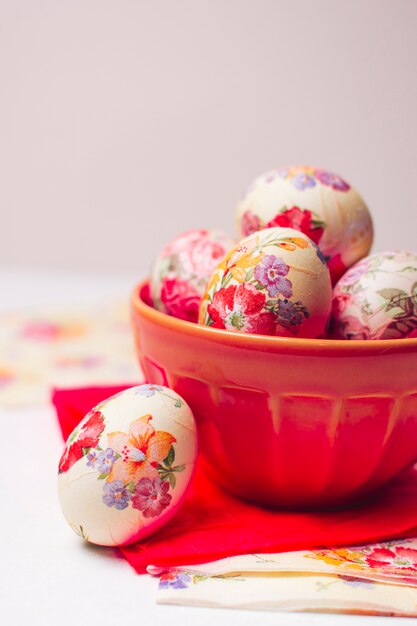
{"x": 284, "y": 421}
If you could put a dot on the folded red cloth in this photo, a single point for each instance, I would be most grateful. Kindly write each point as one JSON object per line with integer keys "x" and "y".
{"x": 213, "y": 524}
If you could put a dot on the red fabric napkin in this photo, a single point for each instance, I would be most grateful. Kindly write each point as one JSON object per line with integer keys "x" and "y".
{"x": 213, "y": 524}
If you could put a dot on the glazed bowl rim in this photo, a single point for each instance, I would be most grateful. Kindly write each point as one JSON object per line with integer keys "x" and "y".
{"x": 287, "y": 345}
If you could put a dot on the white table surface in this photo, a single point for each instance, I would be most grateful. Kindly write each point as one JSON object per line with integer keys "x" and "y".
{"x": 48, "y": 576}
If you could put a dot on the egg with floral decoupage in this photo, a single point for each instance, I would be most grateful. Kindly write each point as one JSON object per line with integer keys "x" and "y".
{"x": 316, "y": 202}
{"x": 274, "y": 282}
{"x": 125, "y": 468}
{"x": 181, "y": 271}
{"x": 377, "y": 298}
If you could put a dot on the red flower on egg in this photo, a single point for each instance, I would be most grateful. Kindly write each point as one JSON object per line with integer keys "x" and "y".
{"x": 250, "y": 223}
{"x": 300, "y": 219}
{"x": 85, "y": 436}
{"x": 341, "y": 301}
{"x": 239, "y": 308}
{"x": 151, "y": 496}
{"x": 202, "y": 258}
{"x": 180, "y": 299}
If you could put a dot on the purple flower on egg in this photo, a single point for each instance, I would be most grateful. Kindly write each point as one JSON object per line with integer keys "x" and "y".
{"x": 303, "y": 181}
{"x": 116, "y": 494}
{"x": 356, "y": 272}
{"x": 105, "y": 460}
{"x": 287, "y": 311}
{"x": 331, "y": 180}
{"x": 148, "y": 390}
{"x": 92, "y": 459}
{"x": 270, "y": 273}
{"x": 269, "y": 177}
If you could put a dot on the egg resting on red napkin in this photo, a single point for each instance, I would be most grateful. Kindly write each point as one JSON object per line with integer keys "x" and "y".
{"x": 213, "y": 524}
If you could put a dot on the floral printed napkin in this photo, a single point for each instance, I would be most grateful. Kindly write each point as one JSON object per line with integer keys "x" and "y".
{"x": 40, "y": 349}
{"x": 376, "y": 579}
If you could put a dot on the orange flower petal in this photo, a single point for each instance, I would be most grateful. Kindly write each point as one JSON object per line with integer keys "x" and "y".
{"x": 214, "y": 280}
{"x": 287, "y": 246}
{"x": 120, "y": 471}
{"x": 250, "y": 261}
{"x": 238, "y": 274}
{"x": 159, "y": 446}
{"x": 117, "y": 441}
{"x": 140, "y": 432}
{"x": 301, "y": 243}
{"x": 146, "y": 470}
{"x": 130, "y": 471}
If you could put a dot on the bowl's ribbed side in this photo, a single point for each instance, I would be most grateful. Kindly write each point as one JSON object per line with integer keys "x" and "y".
{"x": 286, "y": 427}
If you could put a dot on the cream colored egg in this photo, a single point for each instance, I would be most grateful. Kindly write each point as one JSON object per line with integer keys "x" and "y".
{"x": 377, "y": 298}
{"x": 125, "y": 468}
{"x": 318, "y": 203}
{"x": 274, "y": 282}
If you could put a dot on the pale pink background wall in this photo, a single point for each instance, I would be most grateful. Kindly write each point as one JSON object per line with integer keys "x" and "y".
{"x": 124, "y": 122}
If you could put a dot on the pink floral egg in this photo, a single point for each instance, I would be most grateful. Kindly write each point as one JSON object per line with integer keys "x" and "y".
{"x": 125, "y": 468}
{"x": 377, "y": 298}
{"x": 274, "y": 282}
{"x": 318, "y": 203}
{"x": 180, "y": 273}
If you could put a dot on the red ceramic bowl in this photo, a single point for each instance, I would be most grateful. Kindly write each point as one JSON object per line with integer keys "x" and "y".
{"x": 282, "y": 421}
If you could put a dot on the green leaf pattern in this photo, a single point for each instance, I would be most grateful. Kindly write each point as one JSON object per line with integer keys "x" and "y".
{"x": 167, "y": 470}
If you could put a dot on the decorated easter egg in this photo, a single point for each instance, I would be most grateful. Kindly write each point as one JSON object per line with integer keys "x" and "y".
{"x": 316, "y": 202}
{"x": 274, "y": 282}
{"x": 125, "y": 468}
{"x": 377, "y": 298}
{"x": 180, "y": 273}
